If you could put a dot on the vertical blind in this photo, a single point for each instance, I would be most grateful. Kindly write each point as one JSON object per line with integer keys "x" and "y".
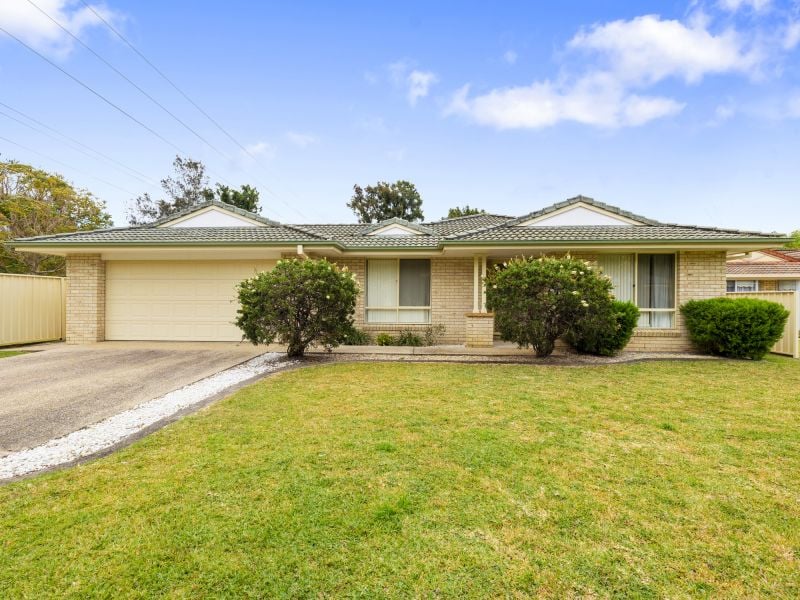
{"x": 620, "y": 268}
{"x": 395, "y": 287}
{"x": 648, "y": 280}
{"x": 656, "y": 289}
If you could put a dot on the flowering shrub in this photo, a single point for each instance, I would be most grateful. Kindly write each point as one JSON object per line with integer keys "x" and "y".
{"x": 537, "y": 300}
{"x": 605, "y": 330}
{"x": 298, "y": 303}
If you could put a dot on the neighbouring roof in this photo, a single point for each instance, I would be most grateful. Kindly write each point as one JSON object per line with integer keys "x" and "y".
{"x": 787, "y": 266}
{"x": 482, "y": 229}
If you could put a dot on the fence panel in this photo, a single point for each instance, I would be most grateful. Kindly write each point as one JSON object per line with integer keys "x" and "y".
{"x": 32, "y": 309}
{"x": 788, "y": 344}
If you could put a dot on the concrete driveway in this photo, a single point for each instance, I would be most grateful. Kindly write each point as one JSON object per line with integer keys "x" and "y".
{"x": 49, "y": 393}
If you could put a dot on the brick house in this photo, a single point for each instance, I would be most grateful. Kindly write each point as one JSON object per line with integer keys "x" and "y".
{"x": 175, "y": 279}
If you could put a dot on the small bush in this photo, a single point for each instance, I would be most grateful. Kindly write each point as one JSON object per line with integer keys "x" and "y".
{"x": 385, "y": 339}
{"x": 606, "y": 330}
{"x": 433, "y": 334}
{"x": 537, "y": 300}
{"x": 408, "y": 338}
{"x": 298, "y": 303}
{"x": 357, "y": 337}
{"x": 736, "y": 328}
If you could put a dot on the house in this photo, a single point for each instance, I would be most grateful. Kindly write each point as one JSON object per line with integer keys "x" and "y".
{"x": 765, "y": 271}
{"x": 175, "y": 279}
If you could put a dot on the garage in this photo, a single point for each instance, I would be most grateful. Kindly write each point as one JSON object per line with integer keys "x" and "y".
{"x": 175, "y": 300}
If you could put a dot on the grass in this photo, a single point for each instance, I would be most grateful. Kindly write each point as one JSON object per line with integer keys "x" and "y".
{"x": 673, "y": 479}
{"x": 7, "y": 353}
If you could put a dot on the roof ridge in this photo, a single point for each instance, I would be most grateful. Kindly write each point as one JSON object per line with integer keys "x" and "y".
{"x": 585, "y": 200}
{"x": 483, "y": 214}
{"x": 205, "y": 204}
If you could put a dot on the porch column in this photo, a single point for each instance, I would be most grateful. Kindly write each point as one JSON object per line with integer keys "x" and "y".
{"x": 86, "y": 299}
{"x": 480, "y": 323}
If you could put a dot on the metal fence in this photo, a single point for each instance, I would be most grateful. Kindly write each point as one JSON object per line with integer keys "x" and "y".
{"x": 32, "y": 309}
{"x": 788, "y": 344}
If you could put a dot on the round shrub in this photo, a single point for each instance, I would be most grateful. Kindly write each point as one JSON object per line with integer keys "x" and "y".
{"x": 606, "y": 330}
{"x": 298, "y": 303}
{"x": 735, "y": 327}
{"x": 537, "y": 300}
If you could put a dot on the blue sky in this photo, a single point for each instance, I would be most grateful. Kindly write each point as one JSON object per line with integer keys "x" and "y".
{"x": 685, "y": 112}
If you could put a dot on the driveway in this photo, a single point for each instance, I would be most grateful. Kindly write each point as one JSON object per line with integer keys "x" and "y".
{"x": 53, "y": 392}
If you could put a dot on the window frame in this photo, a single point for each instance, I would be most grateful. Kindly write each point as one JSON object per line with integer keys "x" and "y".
{"x": 397, "y": 308}
{"x": 736, "y": 289}
{"x": 635, "y": 291}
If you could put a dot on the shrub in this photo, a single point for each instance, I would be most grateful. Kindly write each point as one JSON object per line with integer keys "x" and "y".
{"x": 537, "y": 300}
{"x": 408, "y": 338}
{"x": 736, "y": 328}
{"x": 433, "y": 334}
{"x": 606, "y": 330}
{"x": 357, "y": 337}
{"x": 385, "y": 339}
{"x": 298, "y": 303}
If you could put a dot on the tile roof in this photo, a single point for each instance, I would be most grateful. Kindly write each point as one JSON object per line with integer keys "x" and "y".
{"x": 764, "y": 269}
{"x": 583, "y": 200}
{"x": 478, "y": 229}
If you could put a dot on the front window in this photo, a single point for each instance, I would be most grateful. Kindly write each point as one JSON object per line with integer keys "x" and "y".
{"x": 399, "y": 291}
{"x": 743, "y": 285}
{"x": 647, "y": 280}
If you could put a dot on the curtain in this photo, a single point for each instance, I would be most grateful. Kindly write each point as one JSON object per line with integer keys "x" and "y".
{"x": 619, "y": 267}
{"x": 656, "y": 289}
{"x": 415, "y": 282}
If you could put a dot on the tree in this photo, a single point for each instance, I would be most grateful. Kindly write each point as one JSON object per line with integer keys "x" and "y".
{"x": 245, "y": 198}
{"x": 187, "y": 186}
{"x": 34, "y": 202}
{"x": 537, "y": 300}
{"x": 464, "y": 211}
{"x": 298, "y": 303}
{"x": 382, "y": 201}
{"x": 795, "y": 243}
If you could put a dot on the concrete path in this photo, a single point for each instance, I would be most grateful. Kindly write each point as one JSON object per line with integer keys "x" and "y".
{"x": 52, "y": 392}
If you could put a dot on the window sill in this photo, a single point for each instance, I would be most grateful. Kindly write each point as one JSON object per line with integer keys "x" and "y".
{"x": 653, "y": 332}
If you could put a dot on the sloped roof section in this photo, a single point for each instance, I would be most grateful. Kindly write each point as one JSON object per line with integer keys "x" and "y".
{"x": 414, "y": 228}
{"x": 578, "y": 200}
{"x": 777, "y": 269}
{"x": 207, "y": 204}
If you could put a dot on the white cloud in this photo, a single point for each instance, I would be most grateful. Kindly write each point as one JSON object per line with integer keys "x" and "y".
{"x": 649, "y": 49}
{"x": 24, "y": 21}
{"x": 595, "y": 100}
{"x": 735, "y": 5}
{"x": 419, "y": 84}
{"x": 416, "y": 83}
{"x": 510, "y": 57}
{"x": 791, "y": 36}
{"x": 301, "y": 140}
{"x": 793, "y": 107}
{"x": 262, "y": 149}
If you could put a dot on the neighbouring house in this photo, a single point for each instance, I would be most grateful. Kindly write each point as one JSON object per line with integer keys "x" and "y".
{"x": 765, "y": 271}
{"x": 175, "y": 279}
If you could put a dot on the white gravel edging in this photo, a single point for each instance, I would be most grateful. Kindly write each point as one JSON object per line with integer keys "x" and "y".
{"x": 116, "y": 428}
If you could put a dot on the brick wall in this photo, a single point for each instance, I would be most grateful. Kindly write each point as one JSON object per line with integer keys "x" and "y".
{"x": 767, "y": 285}
{"x": 479, "y": 331}
{"x": 86, "y": 299}
{"x": 451, "y": 297}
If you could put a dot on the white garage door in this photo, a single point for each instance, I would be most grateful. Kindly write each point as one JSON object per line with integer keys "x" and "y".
{"x": 175, "y": 300}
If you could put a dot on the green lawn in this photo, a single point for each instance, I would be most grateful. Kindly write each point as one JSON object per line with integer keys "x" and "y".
{"x": 7, "y": 353}
{"x": 672, "y": 479}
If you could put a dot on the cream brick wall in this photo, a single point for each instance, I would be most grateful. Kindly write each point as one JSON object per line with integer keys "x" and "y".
{"x": 479, "y": 331}
{"x": 451, "y": 297}
{"x": 86, "y": 299}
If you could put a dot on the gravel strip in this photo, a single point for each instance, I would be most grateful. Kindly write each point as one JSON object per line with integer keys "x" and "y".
{"x": 111, "y": 431}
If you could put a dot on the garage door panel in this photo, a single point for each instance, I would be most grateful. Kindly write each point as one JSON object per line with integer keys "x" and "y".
{"x": 175, "y": 300}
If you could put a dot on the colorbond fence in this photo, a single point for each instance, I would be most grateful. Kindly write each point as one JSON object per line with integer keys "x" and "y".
{"x": 32, "y": 309}
{"x": 788, "y": 344}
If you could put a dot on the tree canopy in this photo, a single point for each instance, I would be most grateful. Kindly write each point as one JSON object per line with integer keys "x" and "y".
{"x": 34, "y": 202}
{"x": 795, "y": 243}
{"x": 375, "y": 203}
{"x": 187, "y": 186}
{"x": 464, "y": 211}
